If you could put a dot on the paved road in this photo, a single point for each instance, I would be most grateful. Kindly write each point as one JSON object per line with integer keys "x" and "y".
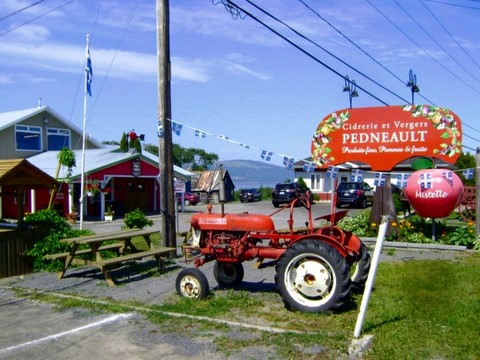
{"x": 35, "y": 330}
{"x": 259, "y": 207}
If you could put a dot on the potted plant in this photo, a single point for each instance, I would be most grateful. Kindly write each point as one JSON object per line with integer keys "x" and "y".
{"x": 108, "y": 216}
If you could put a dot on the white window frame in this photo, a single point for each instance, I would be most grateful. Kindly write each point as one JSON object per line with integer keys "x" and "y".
{"x": 28, "y": 129}
{"x": 59, "y": 132}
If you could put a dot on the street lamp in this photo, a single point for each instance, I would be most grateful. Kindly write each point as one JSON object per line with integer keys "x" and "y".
{"x": 412, "y": 84}
{"x": 351, "y": 88}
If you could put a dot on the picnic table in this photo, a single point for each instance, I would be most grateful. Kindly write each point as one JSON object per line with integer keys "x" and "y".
{"x": 123, "y": 246}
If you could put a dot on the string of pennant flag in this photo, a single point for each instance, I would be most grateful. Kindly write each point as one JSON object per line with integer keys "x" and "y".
{"x": 357, "y": 175}
{"x": 400, "y": 179}
{"x": 266, "y": 155}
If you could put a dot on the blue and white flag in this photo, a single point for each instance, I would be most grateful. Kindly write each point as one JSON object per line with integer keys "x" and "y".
{"x": 200, "y": 133}
{"x": 88, "y": 70}
{"x": 309, "y": 166}
{"x": 223, "y": 137}
{"x": 402, "y": 180}
{"x": 379, "y": 179}
{"x": 448, "y": 175}
{"x": 425, "y": 181}
{"x": 332, "y": 172}
{"x": 288, "y": 162}
{"x": 177, "y": 128}
{"x": 357, "y": 175}
{"x": 468, "y": 174}
{"x": 266, "y": 155}
{"x": 245, "y": 146}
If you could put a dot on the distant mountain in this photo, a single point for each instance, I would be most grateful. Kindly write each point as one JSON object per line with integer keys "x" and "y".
{"x": 251, "y": 173}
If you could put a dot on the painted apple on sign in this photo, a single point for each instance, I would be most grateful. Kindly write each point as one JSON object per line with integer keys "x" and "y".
{"x": 434, "y": 193}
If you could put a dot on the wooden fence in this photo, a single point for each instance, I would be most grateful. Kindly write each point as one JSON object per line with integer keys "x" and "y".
{"x": 14, "y": 243}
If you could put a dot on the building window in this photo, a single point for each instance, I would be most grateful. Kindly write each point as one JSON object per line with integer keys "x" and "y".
{"x": 315, "y": 182}
{"x": 57, "y": 139}
{"x": 28, "y": 138}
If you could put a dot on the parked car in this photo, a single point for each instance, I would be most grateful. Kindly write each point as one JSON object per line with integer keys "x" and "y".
{"x": 358, "y": 194}
{"x": 285, "y": 193}
{"x": 250, "y": 195}
{"x": 190, "y": 199}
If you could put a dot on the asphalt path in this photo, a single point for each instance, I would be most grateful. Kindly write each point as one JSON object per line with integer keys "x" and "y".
{"x": 37, "y": 330}
{"x": 279, "y": 217}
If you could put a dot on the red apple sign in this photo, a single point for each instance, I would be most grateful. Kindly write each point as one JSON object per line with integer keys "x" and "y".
{"x": 434, "y": 193}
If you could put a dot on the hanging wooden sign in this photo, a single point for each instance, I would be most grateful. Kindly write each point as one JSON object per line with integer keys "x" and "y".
{"x": 384, "y": 136}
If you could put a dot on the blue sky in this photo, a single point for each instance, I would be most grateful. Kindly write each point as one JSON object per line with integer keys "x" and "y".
{"x": 233, "y": 77}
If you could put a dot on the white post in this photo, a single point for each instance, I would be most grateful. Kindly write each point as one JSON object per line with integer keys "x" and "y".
{"x": 33, "y": 201}
{"x": 82, "y": 181}
{"x": 382, "y": 230}
{"x": 71, "y": 200}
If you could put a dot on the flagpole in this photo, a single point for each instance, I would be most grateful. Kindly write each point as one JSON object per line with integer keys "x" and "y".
{"x": 82, "y": 181}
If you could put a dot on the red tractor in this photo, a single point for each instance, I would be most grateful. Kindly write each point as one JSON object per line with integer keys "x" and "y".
{"x": 316, "y": 268}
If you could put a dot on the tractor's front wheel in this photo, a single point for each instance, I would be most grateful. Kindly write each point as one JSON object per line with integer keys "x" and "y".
{"x": 192, "y": 283}
{"x": 228, "y": 274}
{"x": 312, "y": 276}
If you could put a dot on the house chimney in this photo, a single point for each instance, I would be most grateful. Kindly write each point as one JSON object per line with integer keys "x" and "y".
{"x": 40, "y": 102}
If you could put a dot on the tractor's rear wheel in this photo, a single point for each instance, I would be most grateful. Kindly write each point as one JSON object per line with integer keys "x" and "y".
{"x": 359, "y": 270}
{"x": 228, "y": 274}
{"x": 192, "y": 283}
{"x": 312, "y": 276}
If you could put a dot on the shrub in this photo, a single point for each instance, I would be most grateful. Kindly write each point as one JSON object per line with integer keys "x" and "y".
{"x": 460, "y": 235}
{"x": 416, "y": 229}
{"x": 136, "y": 219}
{"x": 55, "y": 228}
{"x": 359, "y": 225}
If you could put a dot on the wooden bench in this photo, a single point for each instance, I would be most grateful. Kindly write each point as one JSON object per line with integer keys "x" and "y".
{"x": 135, "y": 256}
{"x": 116, "y": 246}
{"x": 106, "y": 263}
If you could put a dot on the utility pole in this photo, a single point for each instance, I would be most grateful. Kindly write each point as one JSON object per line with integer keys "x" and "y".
{"x": 165, "y": 156}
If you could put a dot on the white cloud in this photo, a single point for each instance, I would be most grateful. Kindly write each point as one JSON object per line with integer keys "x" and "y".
{"x": 4, "y": 79}
{"x": 136, "y": 66}
{"x": 240, "y": 69}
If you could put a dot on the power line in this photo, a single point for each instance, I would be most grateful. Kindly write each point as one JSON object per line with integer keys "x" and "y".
{"x": 457, "y": 5}
{"x": 328, "y": 52}
{"x": 231, "y": 3}
{"x": 419, "y": 46}
{"x": 36, "y": 18}
{"x": 359, "y": 48}
{"x": 449, "y": 34}
{"x": 436, "y": 42}
{"x": 20, "y": 10}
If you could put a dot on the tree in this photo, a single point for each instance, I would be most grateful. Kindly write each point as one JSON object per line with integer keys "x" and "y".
{"x": 153, "y": 149}
{"x": 124, "y": 143}
{"x": 189, "y": 158}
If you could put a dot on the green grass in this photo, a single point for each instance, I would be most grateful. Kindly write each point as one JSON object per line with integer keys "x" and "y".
{"x": 426, "y": 309}
{"x": 419, "y": 309}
